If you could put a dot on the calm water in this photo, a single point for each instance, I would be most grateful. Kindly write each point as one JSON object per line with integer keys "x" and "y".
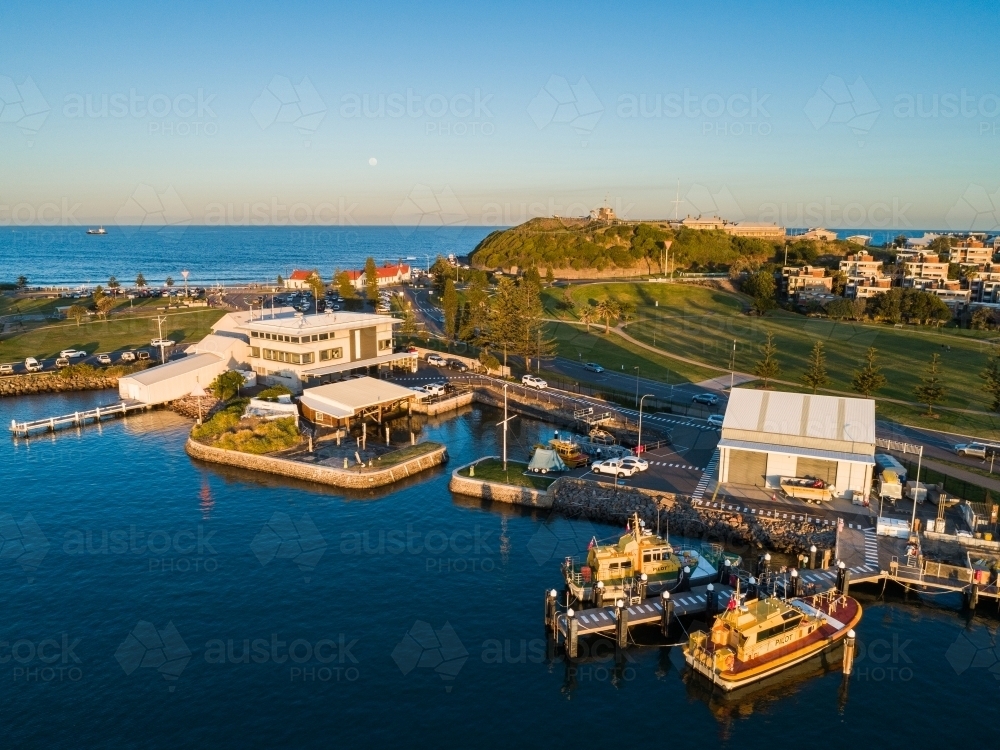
{"x": 68, "y": 256}
{"x": 191, "y": 563}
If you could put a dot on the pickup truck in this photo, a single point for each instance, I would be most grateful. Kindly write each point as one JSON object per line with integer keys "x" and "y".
{"x": 806, "y": 488}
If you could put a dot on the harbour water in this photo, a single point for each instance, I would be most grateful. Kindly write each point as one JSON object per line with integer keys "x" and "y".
{"x": 150, "y": 601}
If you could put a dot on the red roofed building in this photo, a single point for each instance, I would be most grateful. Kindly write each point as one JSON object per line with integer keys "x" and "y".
{"x": 298, "y": 279}
{"x": 388, "y": 275}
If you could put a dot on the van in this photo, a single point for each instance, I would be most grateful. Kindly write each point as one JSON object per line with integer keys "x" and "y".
{"x": 32, "y": 365}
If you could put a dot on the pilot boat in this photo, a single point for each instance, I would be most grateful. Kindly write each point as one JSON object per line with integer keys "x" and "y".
{"x": 759, "y": 637}
{"x": 640, "y": 562}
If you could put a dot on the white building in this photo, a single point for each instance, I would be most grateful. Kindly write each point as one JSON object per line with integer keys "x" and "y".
{"x": 818, "y": 233}
{"x": 767, "y": 435}
{"x": 173, "y": 380}
{"x": 299, "y": 350}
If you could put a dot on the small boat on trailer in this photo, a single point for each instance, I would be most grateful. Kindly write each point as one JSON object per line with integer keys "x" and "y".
{"x": 760, "y": 637}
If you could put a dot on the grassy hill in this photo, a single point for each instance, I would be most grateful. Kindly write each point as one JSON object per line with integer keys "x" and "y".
{"x": 581, "y": 244}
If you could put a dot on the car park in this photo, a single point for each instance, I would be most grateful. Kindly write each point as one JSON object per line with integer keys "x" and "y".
{"x": 534, "y": 382}
{"x": 715, "y": 420}
{"x": 613, "y": 466}
{"x": 639, "y": 464}
{"x": 72, "y": 353}
{"x": 104, "y": 359}
{"x": 593, "y": 367}
{"x": 32, "y": 365}
{"x": 62, "y": 362}
{"x": 6, "y": 369}
{"x": 436, "y": 360}
{"x": 128, "y": 357}
{"x": 708, "y": 399}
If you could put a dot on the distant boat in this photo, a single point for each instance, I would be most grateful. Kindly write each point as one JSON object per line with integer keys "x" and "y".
{"x": 102, "y": 230}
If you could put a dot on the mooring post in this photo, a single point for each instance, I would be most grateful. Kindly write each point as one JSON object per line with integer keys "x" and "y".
{"x": 621, "y": 624}
{"x": 550, "y": 608}
{"x": 667, "y": 614}
{"x": 751, "y": 588}
{"x": 643, "y": 582}
{"x": 571, "y": 633}
{"x": 387, "y": 434}
{"x": 97, "y": 411}
{"x": 793, "y": 584}
{"x": 765, "y": 565}
{"x": 849, "y": 652}
{"x": 599, "y": 594}
{"x": 685, "y": 583}
{"x": 710, "y": 601}
{"x": 724, "y": 571}
{"x": 847, "y": 581}
{"x": 812, "y": 557}
{"x": 973, "y": 596}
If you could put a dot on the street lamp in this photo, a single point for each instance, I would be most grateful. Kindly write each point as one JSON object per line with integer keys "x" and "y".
{"x": 636, "y": 368}
{"x": 197, "y": 393}
{"x": 639, "y": 447}
{"x": 185, "y": 274}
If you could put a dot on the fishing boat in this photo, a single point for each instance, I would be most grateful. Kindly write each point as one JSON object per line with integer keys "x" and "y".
{"x": 756, "y": 638}
{"x": 639, "y": 563}
{"x": 100, "y": 230}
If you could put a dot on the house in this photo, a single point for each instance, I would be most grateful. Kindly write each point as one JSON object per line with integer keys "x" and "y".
{"x": 758, "y": 230}
{"x": 818, "y": 233}
{"x": 299, "y": 350}
{"x": 861, "y": 264}
{"x": 863, "y": 287}
{"x": 921, "y": 242}
{"x": 859, "y": 239}
{"x": 971, "y": 253}
{"x": 604, "y": 213}
{"x": 808, "y": 280}
{"x": 767, "y": 435}
{"x": 298, "y": 279}
{"x": 388, "y": 275}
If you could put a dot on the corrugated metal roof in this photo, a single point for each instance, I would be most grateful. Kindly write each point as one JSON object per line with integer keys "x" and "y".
{"x": 346, "y": 398}
{"x": 173, "y": 369}
{"x": 801, "y": 414}
{"x": 793, "y": 451}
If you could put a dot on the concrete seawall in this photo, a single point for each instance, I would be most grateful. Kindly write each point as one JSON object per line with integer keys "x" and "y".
{"x": 501, "y": 493}
{"x": 318, "y": 473}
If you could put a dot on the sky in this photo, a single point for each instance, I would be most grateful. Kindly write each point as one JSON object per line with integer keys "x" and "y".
{"x": 842, "y": 115}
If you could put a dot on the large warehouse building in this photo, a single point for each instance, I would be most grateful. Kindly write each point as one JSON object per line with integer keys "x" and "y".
{"x": 767, "y": 435}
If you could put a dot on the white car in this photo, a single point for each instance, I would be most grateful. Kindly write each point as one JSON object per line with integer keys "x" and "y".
{"x": 436, "y": 360}
{"x": 104, "y": 359}
{"x": 434, "y": 389}
{"x": 6, "y": 369}
{"x": 128, "y": 357}
{"x": 639, "y": 464}
{"x": 715, "y": 420}
{"x": 534, "y": 382}
{"x": 32, "y": 365}
{"x": 161, "y": 342}
{"x": 72, "y": 353}
{"x": 613, "y": 466}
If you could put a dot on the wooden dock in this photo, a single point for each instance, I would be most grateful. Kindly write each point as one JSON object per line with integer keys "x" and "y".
{"x": 77, "y": 418}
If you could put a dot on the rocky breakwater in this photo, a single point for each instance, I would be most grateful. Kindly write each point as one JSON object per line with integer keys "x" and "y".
{"x": 596, "y": 502}
{"x": 54, "y": 382}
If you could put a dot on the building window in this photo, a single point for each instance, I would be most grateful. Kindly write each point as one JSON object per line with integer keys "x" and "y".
{"x": 254, "y": 334}
{"x": 384, "y": 345}
{"x": 324, "y": 336}
{"x": 255, "y": 351}
{"x": 328, "y": 354}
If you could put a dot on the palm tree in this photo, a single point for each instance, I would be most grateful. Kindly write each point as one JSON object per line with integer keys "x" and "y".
{"x": 588, "y": 315}
{"x": 608, "y": 309}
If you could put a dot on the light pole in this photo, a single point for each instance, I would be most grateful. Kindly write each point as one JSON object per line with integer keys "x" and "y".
{"x": 185, "y": 274}
{"x": 639, "y": 447}
{"x": 636, "y": 368}
{"x": 198, "y": 392}
{"x": 160, "y": 320}
{"x": 732, "y": 366}
{"x": 916, "y": 489}
{"x": 506, "y": 419}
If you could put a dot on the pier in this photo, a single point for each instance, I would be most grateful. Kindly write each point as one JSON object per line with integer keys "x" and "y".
{"x": 77, "y": 418}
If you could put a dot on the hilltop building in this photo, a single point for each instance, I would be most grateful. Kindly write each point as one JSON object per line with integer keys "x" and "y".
{"x": 818, "y": 233}
{"x": 298, "y": 279}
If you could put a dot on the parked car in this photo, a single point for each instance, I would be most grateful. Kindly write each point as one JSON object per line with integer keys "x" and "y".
{"x": 457, "y": 364}
{"x": 62, "y": 362}
{"x": 613, "y": 466}
{"x": 639, "y": 464}
{"x": 534, "y": 382}
{"x": 436, "y": 360}
{"x": 128, "y": 357}
{"x": 708, "y": 399}
{"x": 434, "y": 389}
{"x": 72, "y": 353}
{"x": 161, "y": 342}
{"x": 715, "y": 420}
{"x": 6, "y": 369}
{"x": 104, "y": 359}
{"x": 980, "y": 450}
{"x": 593, "y": 367}
{"x": 32, "y": 365}
{"x": 142, "y": 355}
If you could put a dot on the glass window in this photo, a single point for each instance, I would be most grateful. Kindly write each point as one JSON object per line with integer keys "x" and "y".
{"x": 254, "y": 351}
{"x": 324, "y": 336}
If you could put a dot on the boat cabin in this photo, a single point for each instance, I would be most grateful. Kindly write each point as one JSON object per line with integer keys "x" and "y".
{"x": 637, "y": 552}
{"x": 760, "y": 626}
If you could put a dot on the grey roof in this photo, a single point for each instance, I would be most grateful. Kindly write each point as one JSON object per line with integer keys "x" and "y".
{"x": 800, "y": 415}
{"x": 747, "y": 445}
{"x": 172, "y": 369}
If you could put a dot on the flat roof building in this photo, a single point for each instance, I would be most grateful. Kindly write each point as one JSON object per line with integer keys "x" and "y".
{"x": 334, "y": 405}
{"x": 767, "y": 435}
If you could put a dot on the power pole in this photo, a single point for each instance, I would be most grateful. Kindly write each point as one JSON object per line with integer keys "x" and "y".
{"x": 160, "y": 320}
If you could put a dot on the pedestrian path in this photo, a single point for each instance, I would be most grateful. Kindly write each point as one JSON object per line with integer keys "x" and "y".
{"x": 871, "y": 547}
{"x": 674, "y": 466}
{"x": 706, "y": 477}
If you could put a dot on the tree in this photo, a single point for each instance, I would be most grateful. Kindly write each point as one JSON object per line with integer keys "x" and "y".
{"x": 281, "y": 281}
{"x": 316, "y": 284}
{"x": 477, "y": 306}
{"x": 344, "y": 285}
{"x": 760, "y": 286}
{"x": 568, "y": 302}
{"x": 608, "y": 310}
{"x": 588, "y": 316}
{"x": 627, "y": 314}
{"x": 900, "y": 240}
{"x": 839, "y": 283}
{"x": 449, "y": 304}
{"x": 371, "y": 280}
{"x": 22, "y": 282}
{"x": 442, "y": 270}
{"x": 869, "y": 378}
{"x": 815, "y": 375}
{"x": 982, "y": 319}
{"x": 503, "y": 317}
{"x": 170, "y": 281}
{"x": 77, "y": 312}
{"x": 113, "y": 283}
{"x": 767, "y": 367}
{"x": 991, "y": 378}
{"x": 409, "y": 325}
{"x": 227, "y": 385}
{"x": 104, "y": 305}
{"x": 549, "y": 276}
{"x": 530, "y": 339}
{"x": 140, "y": 281}
{"x": 931, "y": 390}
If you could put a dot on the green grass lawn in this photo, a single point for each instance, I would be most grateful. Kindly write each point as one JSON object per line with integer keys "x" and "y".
{"x": 48, "y": 339}
{"x": 491, "y": 470}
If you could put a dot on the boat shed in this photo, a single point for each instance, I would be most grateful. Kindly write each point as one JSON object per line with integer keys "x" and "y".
{"x": 767, "y": 435}
{"x": 173, "y": 380}
{"x": 334, "y": 405}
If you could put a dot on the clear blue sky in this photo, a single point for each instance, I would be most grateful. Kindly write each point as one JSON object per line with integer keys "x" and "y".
{"x": 541, "y": 141}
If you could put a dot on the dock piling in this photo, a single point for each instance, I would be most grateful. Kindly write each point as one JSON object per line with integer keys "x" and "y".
{"x": 724, "y": 571}
{"x": 550, "y": 609}
{"x": 711, "y": 604}
{"x": 812, "y": 557}
{"x": 571, "y": 633}
{"x": 793, "y": 584}
{"x": 667, "y": 613}
{"x": 849, "y": 652}
{"x": 599, "y": 594}
{"x": 621, "y": 624}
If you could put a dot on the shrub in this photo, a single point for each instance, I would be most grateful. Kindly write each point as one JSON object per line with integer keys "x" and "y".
{"x": 261, "y": 436}
{"x": 222, "y": 421}
{"x": 272, "y": 393}
{"x": 226, "y": 385}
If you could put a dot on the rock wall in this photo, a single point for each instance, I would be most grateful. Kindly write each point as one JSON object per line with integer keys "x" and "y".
{"x": 440, "y": 407}
{"x": 501, "y": 493}
{"x": 50, "y": 382}
{"x": 574, "y": 498}
{"x": 317, "y": 472}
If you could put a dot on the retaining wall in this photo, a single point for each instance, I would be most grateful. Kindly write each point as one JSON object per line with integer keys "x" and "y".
{"x": 501, "y": 493}
{"x": 318, "y": 473}
{"x": 22, "y": 385}
{"x": 440, "y": 407}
